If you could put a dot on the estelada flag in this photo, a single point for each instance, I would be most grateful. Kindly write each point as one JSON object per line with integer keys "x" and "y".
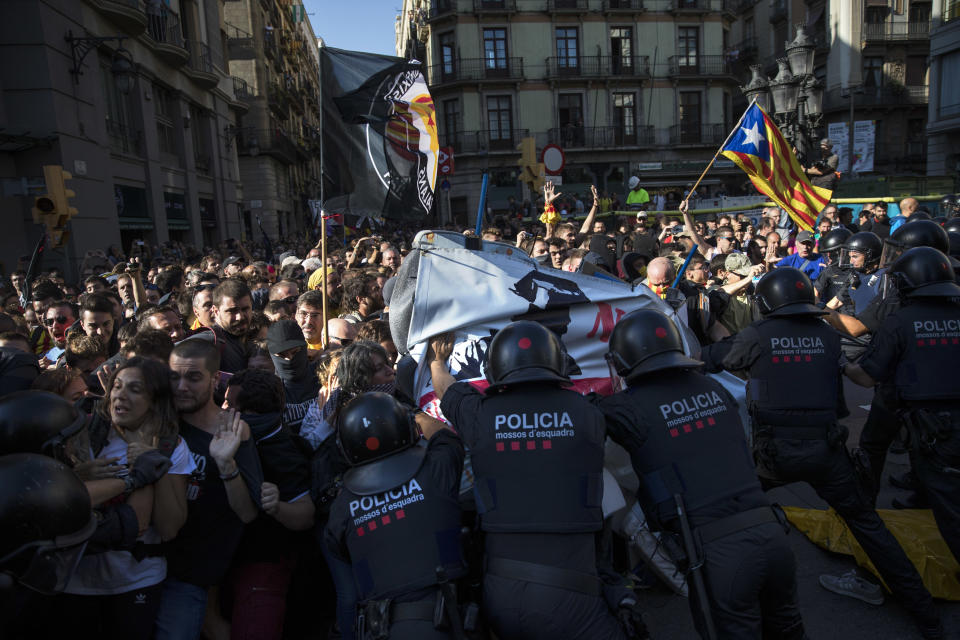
{"x": 381, "y": 150}
{"x": 758, "y": 147}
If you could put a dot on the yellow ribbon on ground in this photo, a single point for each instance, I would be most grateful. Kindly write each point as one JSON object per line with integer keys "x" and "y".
{"x": 914, "y": 529}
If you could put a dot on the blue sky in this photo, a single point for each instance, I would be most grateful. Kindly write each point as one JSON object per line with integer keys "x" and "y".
{"x": 361, "y": 25}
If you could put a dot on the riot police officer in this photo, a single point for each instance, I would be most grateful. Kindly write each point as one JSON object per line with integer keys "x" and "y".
{"x": 916, "y": 350}
{"x": 861, "y": 256}
{"x": 687, "y": 443}
{"x": 793, "y": 361}
{"x": 537, "y": 455}
{"x": 882, "y": 424}
{"x": 45, "y": 523}
{"x": 832, "y": 278}
{"x": 397, "y": 520}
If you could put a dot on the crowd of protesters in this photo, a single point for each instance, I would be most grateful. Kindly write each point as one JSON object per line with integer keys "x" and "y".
{"x": 222, "y": 357}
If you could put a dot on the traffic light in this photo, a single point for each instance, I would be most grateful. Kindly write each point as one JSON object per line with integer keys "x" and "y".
{"x": 53, "y": 209}
{"x": 531, "y": 171}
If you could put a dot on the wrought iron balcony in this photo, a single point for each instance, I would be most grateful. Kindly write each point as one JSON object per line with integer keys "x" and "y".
{"x": 694, "y": 65}
{"x": 622, "y": 6}
{"x": 475, "y": 69}
{"x": 567, "y": 6}
{"x": 892, "y": 31}
{"x": 897, "y": 95}
{"x": 598, "y": 66}
{"x": 441, "y": 9}
{"x": 697, "y": 134}
{"x": 495, "y": 6}
{"x": 574, "y": 137}
{"x": 485, "y": 141}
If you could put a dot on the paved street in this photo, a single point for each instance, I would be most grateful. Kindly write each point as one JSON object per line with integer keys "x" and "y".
{"x": 825, "y": 614}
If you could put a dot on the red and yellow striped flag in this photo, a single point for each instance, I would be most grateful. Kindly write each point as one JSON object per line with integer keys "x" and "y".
{"x": 758, "y": 147}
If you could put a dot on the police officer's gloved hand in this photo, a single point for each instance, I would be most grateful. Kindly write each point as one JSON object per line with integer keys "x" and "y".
{"x": 631, "y": 619}
{"x": 149, "y": 467}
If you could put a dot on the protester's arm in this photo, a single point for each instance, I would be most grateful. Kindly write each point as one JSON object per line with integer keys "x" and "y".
{"x": 296, "y": 515}
{"x": 139, "y": 292}
{"x": 587, "y": 225}
{"x": 223, "y": 449}
{"x": 355, "y": 256}
{"x": 702, "y": 247}
{"x": 428, "y": 424}
{"x": 735, "y": 287}
{"x": 844, "y": 322}
{"x": 103, "y": 489}
{"x": 439, "y": 352}
{"x": 243, "y": 249}
{"x": 169, "y": 505}
{"x": 857, "y": 375}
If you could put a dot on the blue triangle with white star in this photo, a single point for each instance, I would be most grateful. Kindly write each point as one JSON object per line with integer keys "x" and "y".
{"x": 751, "y": 135}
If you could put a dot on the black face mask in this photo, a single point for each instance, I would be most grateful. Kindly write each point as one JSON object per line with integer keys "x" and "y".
{"x": 292, "y": 369}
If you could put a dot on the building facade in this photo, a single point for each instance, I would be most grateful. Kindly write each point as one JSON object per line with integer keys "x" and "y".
{"x": 147, "y": 149}
{"x": 624, "y": 87}
{"x": 943, "y": 128}
{"x": 872, "y": 58}
{"x": 273, "y": 52}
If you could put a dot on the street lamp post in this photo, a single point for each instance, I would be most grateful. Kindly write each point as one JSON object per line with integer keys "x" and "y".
{"x": 794, "y": 97}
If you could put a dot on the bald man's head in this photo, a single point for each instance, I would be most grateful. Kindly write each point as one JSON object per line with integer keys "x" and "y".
{"x": 908, "y": 206}
{"x": 660, "y": 272}
{"x": 342, "y": 332}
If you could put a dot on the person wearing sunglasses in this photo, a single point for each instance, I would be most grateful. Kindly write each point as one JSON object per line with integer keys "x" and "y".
{"x": 58, "y": 318}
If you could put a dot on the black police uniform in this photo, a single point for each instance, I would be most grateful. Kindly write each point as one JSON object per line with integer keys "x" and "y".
{"x": 794, "y": 367}
{"x": 537, "y": 455}
{"x": 831, "y": 282}
{"x": 916, "y": 351}
{"x": 395, "y": 540}
{"x": 685, "y": 437}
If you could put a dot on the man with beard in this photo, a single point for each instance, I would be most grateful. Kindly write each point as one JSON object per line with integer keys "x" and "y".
{"x": 224, "y": 491}
{"x": 309, "y": 317}
{"x": 232, "y": 312}
{"x": 362, "y": 298}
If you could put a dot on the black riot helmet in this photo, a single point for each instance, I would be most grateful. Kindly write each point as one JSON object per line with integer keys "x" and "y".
{"x": 45, "y": 521}
{"x": 832, "y": 242}
{"x": 644, "y": 341}
{"x": 866, "y": 243}
{"x": 924, "y": 272}
{"x": 525, "y": 351}
{"x": 922, "y": 233}
{"x": 954, "y": 244}
{"x": 952, "y": 225}
{"x": 949, "y": 205}
{"x": 378, "y": 437}
{"x": 786, "y": 291}
{"x": 37, "y": 422}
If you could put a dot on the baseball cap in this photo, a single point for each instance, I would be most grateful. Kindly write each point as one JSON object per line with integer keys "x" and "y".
{"x": 283, "y": 335}
{"x": 232, "y": 260}
{"x": 805, "y": 236}
{"x": 738, "y": 263}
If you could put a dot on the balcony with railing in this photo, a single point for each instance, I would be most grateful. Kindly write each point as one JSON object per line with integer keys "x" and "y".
{"x": 129, "y": 15}
{"x": 888, "y": 96}
{"x": 241, "y": 90}
{"x": 485, "y": 141}
{"x": 697, "y": 134}
{"x": 272, "y": 142}
{"x": 167, "y": 37}
{"x": 597, "y": 66}
{"x": 622, "y": 6}
{"x": 278, "y": 101}
{"x": 200, "y": 66}
{"x": 744, "y": 51}
{"x": 896, "y": 31}
{"x": 573, "y": 137}
{"x": 698, "y": 66}
{"x": 123, "y": 139}
{"x": 779, "y": 10}
{"x": 693, "y": 6}
{"x": 498, "y": 7}
{"x": 270, "y": 46}
{"x": 567, "y": 6}
{"x": 475, "y": 70}
{"x": 441, "y": 9}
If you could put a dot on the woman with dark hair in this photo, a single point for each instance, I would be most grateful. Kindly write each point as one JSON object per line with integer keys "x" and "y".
{"x": 115, "y": 594}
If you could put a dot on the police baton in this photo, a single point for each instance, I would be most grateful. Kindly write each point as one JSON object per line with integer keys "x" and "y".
{"x": 694, "y": 567}
{"x": 450, "y": 604}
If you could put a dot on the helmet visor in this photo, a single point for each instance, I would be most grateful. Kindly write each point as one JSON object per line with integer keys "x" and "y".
{"x": 52, "y": 563}
{"x": 617, "y": 383}
{"x": 889, "y": 286}
{"x": 852, "y": 259}
{"x": 891, "y": 251}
